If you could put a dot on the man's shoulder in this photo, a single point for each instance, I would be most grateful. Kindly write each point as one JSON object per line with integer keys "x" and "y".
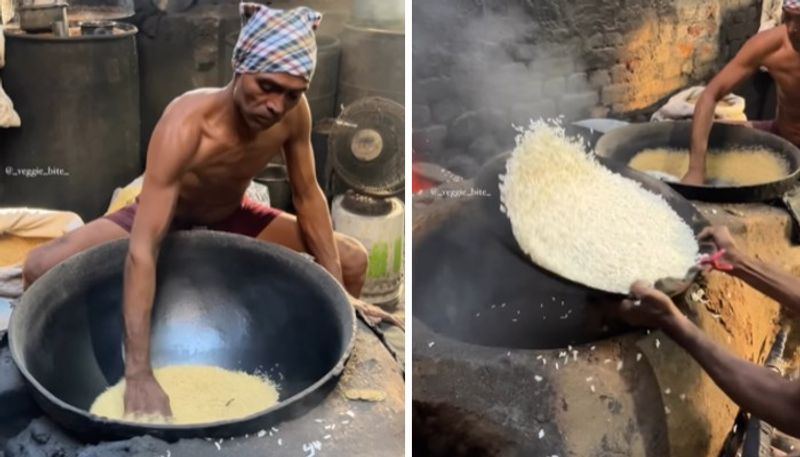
{"x": 184, "y": 116}
{"x": 298, "y": 119}
{"x": 196, "y": 101}
{"x": 769, "y": 41}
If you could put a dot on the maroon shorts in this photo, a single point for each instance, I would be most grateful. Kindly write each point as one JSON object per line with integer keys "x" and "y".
{"x": 769, "y": 126}
{"x": 766, "y": 126}
{"x": 250, "y": 219}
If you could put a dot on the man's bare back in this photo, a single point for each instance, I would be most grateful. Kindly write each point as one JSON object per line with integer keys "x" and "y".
{"x": 783, "y": 63}
{"x": 226, "y": 159}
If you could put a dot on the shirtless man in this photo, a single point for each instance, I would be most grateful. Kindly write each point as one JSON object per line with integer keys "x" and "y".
{"x": 758, "y": 390}
{"x": 205, "y": 150}
{"x": 776, "y": 49}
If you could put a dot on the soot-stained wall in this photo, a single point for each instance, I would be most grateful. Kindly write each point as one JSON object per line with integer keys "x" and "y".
{"x": 481, "y": 65}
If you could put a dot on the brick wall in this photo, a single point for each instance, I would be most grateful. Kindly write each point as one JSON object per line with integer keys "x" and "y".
{"x": 481, "y": 65}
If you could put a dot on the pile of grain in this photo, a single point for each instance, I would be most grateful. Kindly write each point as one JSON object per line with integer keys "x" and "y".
{"x": 576, "y": 218}
{"x": 197, "y": 394}
{"x": 735, "y": 166}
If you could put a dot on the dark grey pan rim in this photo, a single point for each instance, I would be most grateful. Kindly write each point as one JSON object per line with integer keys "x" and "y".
{"x": 271, "y": 249}
{"x": 608, "y": 147}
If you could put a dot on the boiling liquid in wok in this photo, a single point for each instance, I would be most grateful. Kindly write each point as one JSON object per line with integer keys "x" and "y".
{"x": 729, "y": 167}
{"x": 197, "y": 394}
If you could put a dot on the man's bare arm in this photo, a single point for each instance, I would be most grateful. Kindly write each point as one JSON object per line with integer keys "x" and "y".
{"x": 771, "y": 281}
{"x": 756, "y": 389}
{"x": 313, "y": 215}
{"x": 746, "y": 62}
{"x": 170, "y": 150}
{"x": 309, "y": 201}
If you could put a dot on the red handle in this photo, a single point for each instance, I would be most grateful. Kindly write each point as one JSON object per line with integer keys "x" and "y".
{"x": 715, "y": 261}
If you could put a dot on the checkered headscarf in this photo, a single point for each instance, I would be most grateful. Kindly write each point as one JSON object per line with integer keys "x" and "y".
{"x": 792, "y": 5}
{"x": 276, "y": 41}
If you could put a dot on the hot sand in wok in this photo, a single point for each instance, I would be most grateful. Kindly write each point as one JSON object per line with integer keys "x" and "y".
{"x": 198, "y": 394}
{"x": 576, "y": 218}
{"x": 738, "y": 166}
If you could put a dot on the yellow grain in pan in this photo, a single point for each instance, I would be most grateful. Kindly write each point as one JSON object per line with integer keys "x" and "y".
{"x": 198, "y": 394}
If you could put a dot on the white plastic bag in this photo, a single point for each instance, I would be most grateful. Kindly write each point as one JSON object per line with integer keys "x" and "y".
{"x": 2, "y": 38}
{"x": 8, "y": 117}
{"x": 681, "y": 106}
{"x": 37, "y": 223}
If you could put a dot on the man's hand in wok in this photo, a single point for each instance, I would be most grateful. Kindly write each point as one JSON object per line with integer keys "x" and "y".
{"x": 693, "y": 178}
{"x": 647, "y": 307}
{"x": 374, "y": 314}
{"x": 145, "y": 397}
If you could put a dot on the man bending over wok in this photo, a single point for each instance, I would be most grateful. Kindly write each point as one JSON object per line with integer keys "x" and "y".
{"x": 776, "y": 49}
{"x": 205, "y": 150}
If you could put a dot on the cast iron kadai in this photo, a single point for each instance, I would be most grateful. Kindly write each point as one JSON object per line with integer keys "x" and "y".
{"x": 623, "y": 143}
{"x": 468, "y": 260}
{"x": 489, "y": 179}
{"x": 223, "y": 300}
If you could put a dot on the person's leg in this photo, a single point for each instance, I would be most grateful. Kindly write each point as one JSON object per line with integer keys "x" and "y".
{"x": 269, "y": 224}
{"x": 284, "y": 230}
{"x": 50, "y": 254}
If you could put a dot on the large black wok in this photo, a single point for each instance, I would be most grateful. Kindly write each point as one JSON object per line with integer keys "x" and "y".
{"x": 623, "y": 143}
{"x": 473, "y": 283}
{"x": 222, "y": 300}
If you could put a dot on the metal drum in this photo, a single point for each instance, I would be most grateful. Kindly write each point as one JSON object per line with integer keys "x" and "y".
{"x": 276, "y": 178}
{"x": 322, "y": 96}
{"x": 78, "y": 98}
{"x": 89, "y": 10}
{"x": 184, "y": 52}
{"x": 372, "y": 64}
{"x": 225, "y": 65}
{"x": 383, "y": 12}
{"x": 322, "y": 91}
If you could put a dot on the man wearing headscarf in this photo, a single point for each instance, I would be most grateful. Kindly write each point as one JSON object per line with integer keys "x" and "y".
{"x": 778, "y": 50}
{"x": 205, "y": 150}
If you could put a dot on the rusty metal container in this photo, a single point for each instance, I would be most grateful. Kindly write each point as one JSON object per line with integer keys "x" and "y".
{"x": 373, "y": 63}
{"x": 78, "y": 98}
